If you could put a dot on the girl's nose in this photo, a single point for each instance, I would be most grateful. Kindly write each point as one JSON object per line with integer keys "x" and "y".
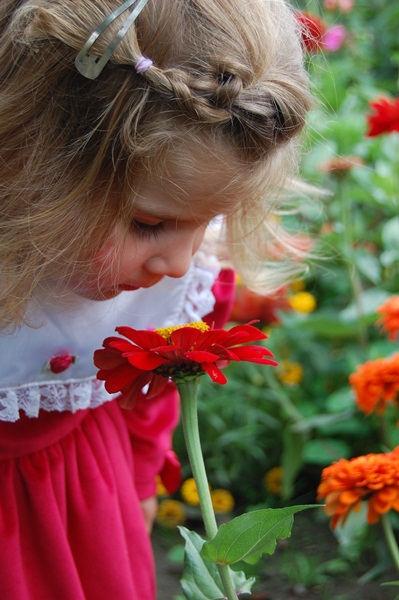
{"x": 174, "y": 260}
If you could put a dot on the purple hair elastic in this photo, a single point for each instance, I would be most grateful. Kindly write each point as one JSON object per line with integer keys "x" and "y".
{"x": 143, "y": 64}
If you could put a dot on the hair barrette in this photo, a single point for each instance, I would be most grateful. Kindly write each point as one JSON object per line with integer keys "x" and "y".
{"x": 89, "y": 65}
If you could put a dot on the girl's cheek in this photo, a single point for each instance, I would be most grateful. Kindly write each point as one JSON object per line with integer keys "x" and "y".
{"x": 107, "y": 257}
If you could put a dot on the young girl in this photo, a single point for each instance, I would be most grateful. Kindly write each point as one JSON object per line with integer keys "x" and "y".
{"x": 134, "y": 136}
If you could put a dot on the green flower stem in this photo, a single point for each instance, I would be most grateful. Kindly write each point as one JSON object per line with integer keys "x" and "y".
{"x": 188, "y": 388}
{"x": 390, "y": 538}
{"x": 347, "y": 246}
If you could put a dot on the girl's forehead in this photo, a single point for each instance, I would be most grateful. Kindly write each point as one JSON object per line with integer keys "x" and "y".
{"x": 197, "y": 183}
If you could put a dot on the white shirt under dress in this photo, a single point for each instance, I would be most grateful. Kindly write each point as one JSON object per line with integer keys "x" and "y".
{"x": 26, "y": 382}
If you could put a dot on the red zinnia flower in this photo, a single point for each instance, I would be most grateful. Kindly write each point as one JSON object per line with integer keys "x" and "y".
{"x": 375, "y": 383}
{"x": 312, "y": 29}
{"x": 249, "y": 305}
{"x": 389, "y": 320}
{"x": 152, "y": 357}
{"x": 316, "y": 36}
{"x": 373, "y": 478}
{"x": 385, "y": 118}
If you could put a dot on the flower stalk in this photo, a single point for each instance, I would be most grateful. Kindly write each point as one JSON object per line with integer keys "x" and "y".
{"x": 188, "y": 388}
{"x": 390, "y": 538}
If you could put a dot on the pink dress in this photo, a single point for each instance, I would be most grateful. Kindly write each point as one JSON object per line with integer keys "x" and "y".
{"x": 74, "y": 465}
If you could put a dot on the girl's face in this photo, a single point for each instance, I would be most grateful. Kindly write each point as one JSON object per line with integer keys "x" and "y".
{"x": 167, "y": 226}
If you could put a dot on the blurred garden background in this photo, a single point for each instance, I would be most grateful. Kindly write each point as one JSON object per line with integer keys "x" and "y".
{"x": 269, "y": 434}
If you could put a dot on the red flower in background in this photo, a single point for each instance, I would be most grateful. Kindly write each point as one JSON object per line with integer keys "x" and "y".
{"x": 316, "y": 36}
{"x": 153, "y": 357}
{"x": 313, "y": 30}
{"x": 249, "y": 306}
{"x": 385, "y": 118}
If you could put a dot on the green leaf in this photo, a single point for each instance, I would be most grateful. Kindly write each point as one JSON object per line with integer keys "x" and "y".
{"x": 368, "y": 265}
{"x": 324, "y": 451}
{"x": 291, "y": 459}
{"x": 340, "y": 400}
{"x": 201, "y": 579}
{"x": 249, "y": 536}
{"x": 320, "y": 420}
{"x": 327, "y": 325}
{"x": 369, "y": 301}
{"x": 389, "y": 234}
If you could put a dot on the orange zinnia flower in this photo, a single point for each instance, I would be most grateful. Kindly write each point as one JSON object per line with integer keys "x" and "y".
{"x": 375, "y": 383}
{"x": 373, "y": 478}
{"x": 389, "y": 320}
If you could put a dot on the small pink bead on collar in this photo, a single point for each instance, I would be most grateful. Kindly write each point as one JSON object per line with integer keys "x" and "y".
{"x": 59, "y": 364}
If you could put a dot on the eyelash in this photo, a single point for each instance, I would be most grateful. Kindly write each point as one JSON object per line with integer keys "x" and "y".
{"x": 147, "y": 231}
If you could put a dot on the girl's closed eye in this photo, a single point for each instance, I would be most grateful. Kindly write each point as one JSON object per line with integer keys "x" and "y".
{"x": 147, "y": 230}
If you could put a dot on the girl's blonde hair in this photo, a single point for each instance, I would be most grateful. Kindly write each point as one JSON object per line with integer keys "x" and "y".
{"x": 227, "y": 74}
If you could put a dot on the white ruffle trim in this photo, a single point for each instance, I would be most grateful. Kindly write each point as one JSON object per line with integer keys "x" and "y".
{"x": 57, "y": 396}
{"x": 198, "y": 300}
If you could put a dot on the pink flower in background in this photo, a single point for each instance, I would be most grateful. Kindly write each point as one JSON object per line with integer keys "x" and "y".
{"x": 334, "y": 37}
{"x": 345, "y": 6}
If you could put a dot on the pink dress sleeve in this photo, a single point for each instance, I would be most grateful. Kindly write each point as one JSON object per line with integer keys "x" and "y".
{"x": 151, "y": 423}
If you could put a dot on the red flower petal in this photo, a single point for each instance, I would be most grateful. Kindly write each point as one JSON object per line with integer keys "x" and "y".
{"x": 145, "y": 339}
{"x": 201, "y": 356}
{"x": 157, "y": 385}
{"x": 146, "y": 361}
{"x": 117, "y": 379}
{"x": 186, "y": 337}
{"x": 214, "y": 373}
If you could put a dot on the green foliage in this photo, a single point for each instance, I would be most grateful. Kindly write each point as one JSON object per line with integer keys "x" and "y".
{"x": 201, "y": 580}
{"x": 251, "y": 535}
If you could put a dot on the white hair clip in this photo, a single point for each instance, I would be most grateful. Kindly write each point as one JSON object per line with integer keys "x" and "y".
{"x": 89, "y": 65}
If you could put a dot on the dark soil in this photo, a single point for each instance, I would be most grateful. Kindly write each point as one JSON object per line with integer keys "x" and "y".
{"x": 306, "y": 566}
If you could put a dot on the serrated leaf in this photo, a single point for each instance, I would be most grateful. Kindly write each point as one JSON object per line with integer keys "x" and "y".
{"x": 249, "y": 536}
{"x": 201, "y": 579}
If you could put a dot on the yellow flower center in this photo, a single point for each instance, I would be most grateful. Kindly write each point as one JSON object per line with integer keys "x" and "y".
{"x": 166, "y": 331}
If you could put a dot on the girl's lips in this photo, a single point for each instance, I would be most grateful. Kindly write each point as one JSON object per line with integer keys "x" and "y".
{"x": 129, "y": 287}
{"x": 126, "y": 287}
